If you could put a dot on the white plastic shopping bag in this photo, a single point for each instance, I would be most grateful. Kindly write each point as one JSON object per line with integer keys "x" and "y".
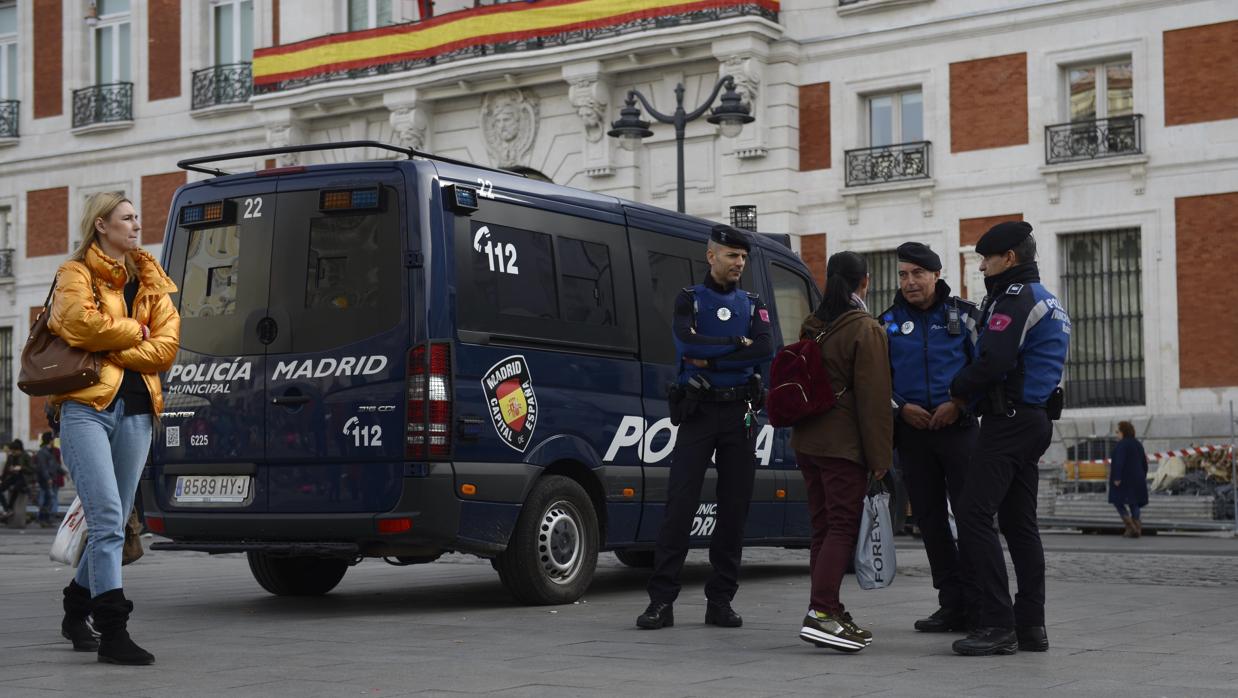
{"x": 71, "y": 538}
{"x": 874, "y": 551}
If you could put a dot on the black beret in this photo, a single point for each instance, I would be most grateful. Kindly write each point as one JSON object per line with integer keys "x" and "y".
{"x": 1002, "y": 237}
{"x": 730, "y": 236}
{"x": 919, "y": 254}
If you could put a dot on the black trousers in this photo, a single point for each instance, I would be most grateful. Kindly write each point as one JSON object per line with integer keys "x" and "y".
{"x": 716, "y": 429}
{"x": 1002, "y": 480}
{"x": 934, "y": 467}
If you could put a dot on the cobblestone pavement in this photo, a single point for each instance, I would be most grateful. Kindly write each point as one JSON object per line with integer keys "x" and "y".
{"x": 1126, "y": 618}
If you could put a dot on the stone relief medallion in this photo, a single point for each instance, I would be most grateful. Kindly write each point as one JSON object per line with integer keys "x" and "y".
{"x": 509, "y": 125}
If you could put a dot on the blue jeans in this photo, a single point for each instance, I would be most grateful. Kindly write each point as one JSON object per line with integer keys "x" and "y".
{"x": 47, "y": 503}
{"x": 105, "y": 453}
{"x": 1122, "y": 510}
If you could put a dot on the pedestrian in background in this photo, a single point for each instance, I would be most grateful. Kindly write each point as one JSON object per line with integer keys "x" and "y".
{"x": 110, "y": 297}
{"x": 17, "y": 482}
{"x": 47, "y": 466}
{"x": 838, "y": 450}
{"x": 1020, "y": 358}
{"x": 932, "y": 337}
{"x": 722, "y": 334}
{"x": 1128, "y": 479}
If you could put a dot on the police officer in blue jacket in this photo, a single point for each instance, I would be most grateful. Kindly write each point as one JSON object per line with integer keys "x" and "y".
{"x": 722, "y": 334}
{"x": 1020, "y": 356}
{"x": 932, "y": 336}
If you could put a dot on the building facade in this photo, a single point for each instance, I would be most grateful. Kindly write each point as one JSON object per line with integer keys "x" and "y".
{"x": 1110, "y": 125}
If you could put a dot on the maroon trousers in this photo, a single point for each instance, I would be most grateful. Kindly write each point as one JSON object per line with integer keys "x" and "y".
{"x": 836, "y": 489}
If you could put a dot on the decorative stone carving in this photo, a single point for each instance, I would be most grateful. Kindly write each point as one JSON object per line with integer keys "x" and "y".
{"x": 747, "y": 78}
{"x": 409, "y": 125}
{"x": 747, "y": 70}
{"x": 509, "y": 125}
{"x": 590, "y": 104}
{"x": 281, "y": 134}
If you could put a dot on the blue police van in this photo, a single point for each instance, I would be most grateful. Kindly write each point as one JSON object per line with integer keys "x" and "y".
{"x": 405, "y": 357}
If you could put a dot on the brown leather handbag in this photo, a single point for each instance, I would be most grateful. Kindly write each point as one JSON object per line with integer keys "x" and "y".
{"x": 49, "y": 366}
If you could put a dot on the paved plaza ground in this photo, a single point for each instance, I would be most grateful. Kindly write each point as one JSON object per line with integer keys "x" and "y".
{"x": 1153, "y": 617}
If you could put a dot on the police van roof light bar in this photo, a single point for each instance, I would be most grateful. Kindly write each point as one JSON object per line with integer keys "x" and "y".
{"x": 193, "y": 164}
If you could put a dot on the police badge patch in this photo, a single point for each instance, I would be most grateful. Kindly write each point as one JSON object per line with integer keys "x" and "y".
{"x": 513, "y": 406}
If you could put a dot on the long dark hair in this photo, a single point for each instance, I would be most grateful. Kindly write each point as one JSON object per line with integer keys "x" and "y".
{"x": 843, "y": 275}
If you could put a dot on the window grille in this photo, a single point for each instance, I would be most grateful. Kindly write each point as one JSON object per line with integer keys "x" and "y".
{"x": 1102, "y": 289}
{"x": 882, "y": 279}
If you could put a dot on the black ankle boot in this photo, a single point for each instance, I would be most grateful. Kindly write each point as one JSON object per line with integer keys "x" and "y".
{"x": 111, "y": 612}
{"x": 76, "y": 624}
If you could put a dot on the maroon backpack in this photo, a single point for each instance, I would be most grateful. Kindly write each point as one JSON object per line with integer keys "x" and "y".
{"x": 800, "y": 386}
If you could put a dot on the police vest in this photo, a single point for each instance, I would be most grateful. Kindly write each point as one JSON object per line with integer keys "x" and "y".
{"x": 924, "y": 356}
{"x": 719, "y": 315}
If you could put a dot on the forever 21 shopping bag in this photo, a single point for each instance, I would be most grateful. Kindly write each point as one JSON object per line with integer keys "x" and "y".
{"x": 874, "y": 551}
{"x": 71, "y": 538}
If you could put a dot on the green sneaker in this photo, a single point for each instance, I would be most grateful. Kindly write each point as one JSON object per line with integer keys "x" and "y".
{"x": 824, "y": 630}
{"x": 846, "y": 619}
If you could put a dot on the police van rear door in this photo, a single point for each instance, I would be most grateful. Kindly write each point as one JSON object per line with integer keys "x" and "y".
{"x": 335, "y": 366}
{"x": 211, "y": 436}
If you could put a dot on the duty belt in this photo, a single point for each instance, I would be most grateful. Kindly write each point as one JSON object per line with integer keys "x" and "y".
{"x": 739, "y": 393}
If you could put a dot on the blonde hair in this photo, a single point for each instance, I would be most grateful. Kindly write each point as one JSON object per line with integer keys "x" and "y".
{"x": 98, "y": 206}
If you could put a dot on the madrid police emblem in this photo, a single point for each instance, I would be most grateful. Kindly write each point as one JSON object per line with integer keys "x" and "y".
{"x": 513, "y": 406}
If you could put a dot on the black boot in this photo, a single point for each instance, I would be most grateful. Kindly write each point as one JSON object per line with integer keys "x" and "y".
{"x": 943, "y": 620}
{"x": 722, "y": 615}
{"x": 983, "y": 642}
{"x": 1032, "y": 638}
{"x": 658, "y": 615}
{"x": 76, "y": 624}
{"x": 112, "y": 611}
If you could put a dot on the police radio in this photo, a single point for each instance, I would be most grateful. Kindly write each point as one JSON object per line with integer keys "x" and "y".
{"x": 953, "y": 325}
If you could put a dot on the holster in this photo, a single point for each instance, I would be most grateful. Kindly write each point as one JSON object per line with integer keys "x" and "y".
{"x": 679, "y": 405}
{"x": 1055, "y": 403}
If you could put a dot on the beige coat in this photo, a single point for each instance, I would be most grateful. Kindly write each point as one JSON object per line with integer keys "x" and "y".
{"x": 860, "y": 428}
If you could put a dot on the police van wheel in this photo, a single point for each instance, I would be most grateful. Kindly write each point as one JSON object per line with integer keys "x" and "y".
{"x": 641, "y": 559}
{"x": 296, "y": 576}
{"x": 554, "y": 549}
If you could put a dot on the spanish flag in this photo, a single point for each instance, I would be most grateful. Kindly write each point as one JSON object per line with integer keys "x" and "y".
{"x": 474, "y": 32}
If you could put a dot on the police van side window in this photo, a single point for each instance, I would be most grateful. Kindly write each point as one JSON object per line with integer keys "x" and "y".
{"x": 210, "y": 284}
{"x": 528, "y": 274}
{"x": 792, "y": 301}
{"x": 586, "y": 283}
{"x": 513, "y": 271}
{"x": 669, "y": 274}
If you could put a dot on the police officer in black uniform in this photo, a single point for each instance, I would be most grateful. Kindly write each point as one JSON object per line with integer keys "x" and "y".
{"x": 722, "y": 335}
{"x": 932, "y": 337}
{"x": 1021, "y": 352}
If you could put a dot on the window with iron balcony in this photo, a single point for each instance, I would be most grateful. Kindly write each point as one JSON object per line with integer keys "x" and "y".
{"x": 1099, "y": 106}
{"x": 897, "y": 150}
{"x": 110, "y": 98}
{"x": 229, "y": 80}
{"x": 9, "y": 104}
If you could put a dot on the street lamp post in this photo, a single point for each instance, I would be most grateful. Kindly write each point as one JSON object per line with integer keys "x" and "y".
{"x": 730, "y": 116}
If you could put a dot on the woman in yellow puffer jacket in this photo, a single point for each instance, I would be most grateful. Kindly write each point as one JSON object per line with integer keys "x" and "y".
{"x": 111, "y": 297}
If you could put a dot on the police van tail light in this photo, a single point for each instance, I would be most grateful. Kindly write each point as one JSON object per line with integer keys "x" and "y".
{"x": 428, "y": 433}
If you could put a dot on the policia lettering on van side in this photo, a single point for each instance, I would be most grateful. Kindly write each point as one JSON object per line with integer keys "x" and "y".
{"x": 401, "y": 358}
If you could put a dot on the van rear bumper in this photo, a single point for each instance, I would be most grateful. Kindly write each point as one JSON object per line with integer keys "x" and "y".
{"x": 429, "y": 502}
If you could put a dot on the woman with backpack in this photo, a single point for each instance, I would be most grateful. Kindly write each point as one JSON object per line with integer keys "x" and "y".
{"x": 838, "y": 450}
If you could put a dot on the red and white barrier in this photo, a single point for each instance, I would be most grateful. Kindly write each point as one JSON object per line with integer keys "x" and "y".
{"x": 1176, "y": 452}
